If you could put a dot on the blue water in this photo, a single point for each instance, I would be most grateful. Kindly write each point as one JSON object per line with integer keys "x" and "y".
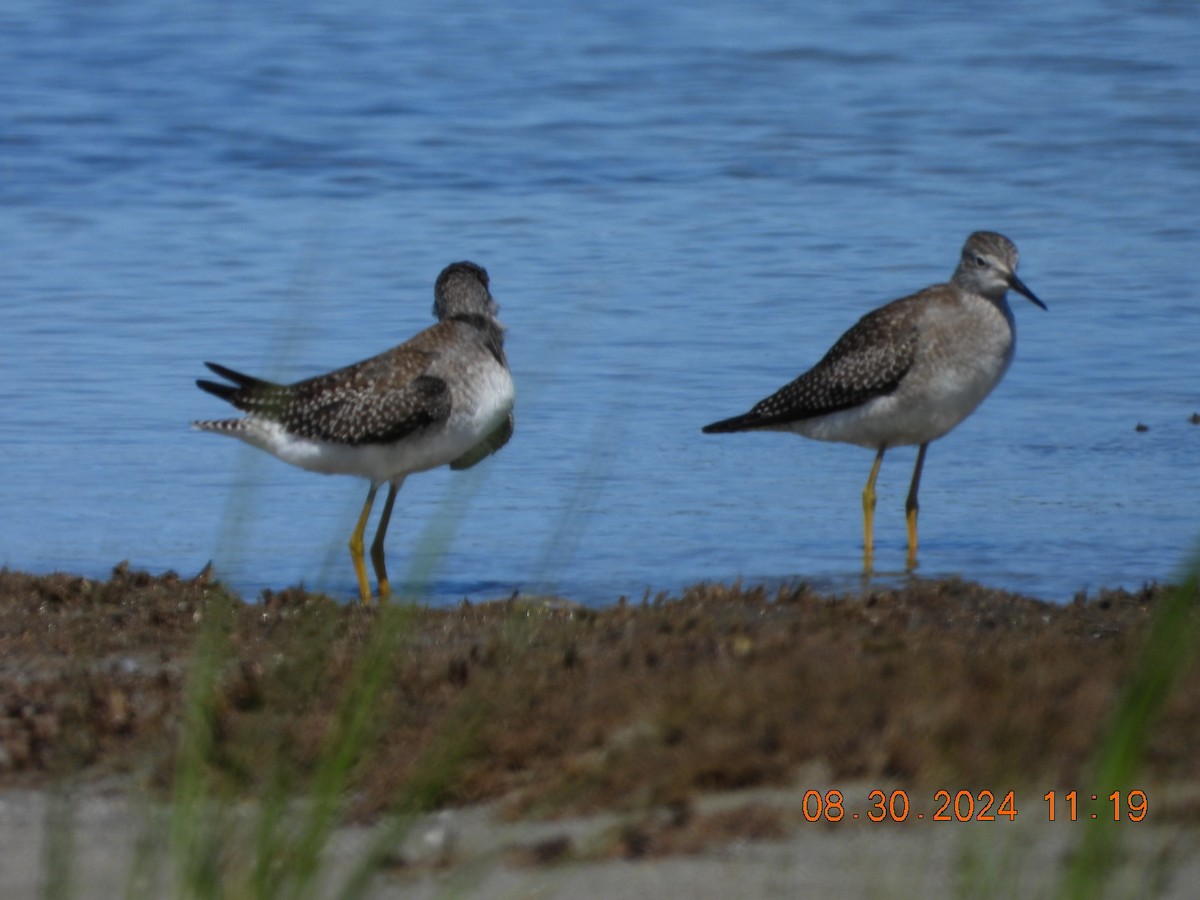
{"x": 680, "y": 208}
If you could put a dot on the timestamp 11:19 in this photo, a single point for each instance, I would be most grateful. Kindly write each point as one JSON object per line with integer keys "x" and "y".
{"x": 1131, "y": 805}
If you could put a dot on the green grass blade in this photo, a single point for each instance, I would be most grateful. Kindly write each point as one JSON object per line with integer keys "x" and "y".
{"x": 1171, "y": 647}
{"x": 58, "y": 852}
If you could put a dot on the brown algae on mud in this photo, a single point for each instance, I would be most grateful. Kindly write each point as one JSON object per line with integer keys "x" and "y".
{"x": 555, "y": 708}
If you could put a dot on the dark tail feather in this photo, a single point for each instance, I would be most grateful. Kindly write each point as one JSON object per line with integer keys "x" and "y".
{"x": 243, "y": 381}
{"x": 224, "y": 391}
{"x": 744, "y": 422}
{"x": 229, "y": 392}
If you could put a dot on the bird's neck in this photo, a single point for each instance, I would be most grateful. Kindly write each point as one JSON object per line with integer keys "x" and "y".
{"x": 489, "y": 329}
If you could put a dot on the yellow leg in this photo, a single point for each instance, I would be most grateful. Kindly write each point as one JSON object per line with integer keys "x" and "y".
{"x": 385, "y": 589}
{"x": 911, "y": 507}
{"x": 868, "y": 498}
{"x": 356, "y": 547}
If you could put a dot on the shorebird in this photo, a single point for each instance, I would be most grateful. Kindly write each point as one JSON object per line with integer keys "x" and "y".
{"x": 907, "y": 372}
{"x": 443, "y": 397}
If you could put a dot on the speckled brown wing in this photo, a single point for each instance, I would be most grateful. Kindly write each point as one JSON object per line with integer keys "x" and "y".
{"x": 867, "y": 361}
{"x": 378, "y": 400}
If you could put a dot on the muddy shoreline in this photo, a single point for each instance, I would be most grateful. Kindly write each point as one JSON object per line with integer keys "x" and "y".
{"x": 684, "y": 726}
{"x": 566, "y": 708}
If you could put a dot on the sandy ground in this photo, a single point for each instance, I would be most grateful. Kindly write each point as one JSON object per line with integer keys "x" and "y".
{"x": 476, "y": 852}
{"x": 645, "y": 750}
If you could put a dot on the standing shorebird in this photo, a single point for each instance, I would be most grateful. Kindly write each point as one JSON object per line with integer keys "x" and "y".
{"x": 443, "y": 397}
{"x": 906, "y": 373}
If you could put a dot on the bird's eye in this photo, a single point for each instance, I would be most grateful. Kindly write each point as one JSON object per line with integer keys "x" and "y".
{"x": 980, "y": 261}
